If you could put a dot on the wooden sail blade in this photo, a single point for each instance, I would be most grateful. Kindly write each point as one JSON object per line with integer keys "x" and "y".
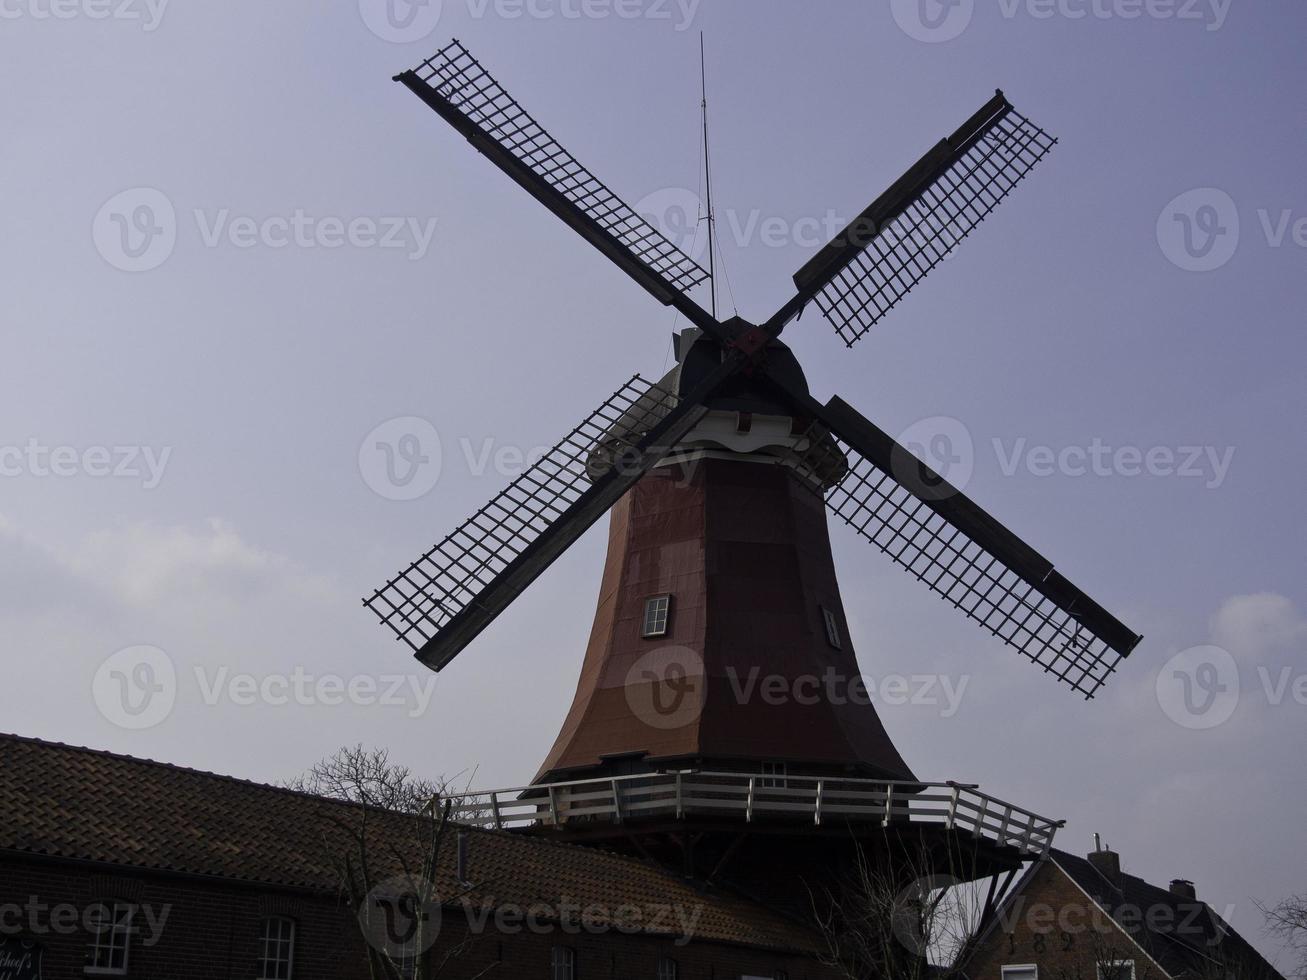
{"x": 863, "y": 273}
{"x": 456, "y": 86}
{"x": 930, "y": 529}
{"x": 440, "y": 602}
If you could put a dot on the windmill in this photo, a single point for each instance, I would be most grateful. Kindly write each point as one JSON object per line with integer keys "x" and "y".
{"x": 720, "y": 478}
{"x": 443, "y": 600}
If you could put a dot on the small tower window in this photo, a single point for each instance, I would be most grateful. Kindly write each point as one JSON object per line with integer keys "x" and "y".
{"x": 832, "y": 628}
{"x": 656, "y": 610}
{"x": 773, "y": 775}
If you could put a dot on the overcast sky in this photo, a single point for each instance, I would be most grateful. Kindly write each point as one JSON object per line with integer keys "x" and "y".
{"x": 233, "y": 249}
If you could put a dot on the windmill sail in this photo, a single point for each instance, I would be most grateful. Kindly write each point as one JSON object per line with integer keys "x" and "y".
{"x": 445, "y": 598}
{"x": 456, "y": 86}
{"x": 962, "y": 553}
{"x": 865, "y": 270}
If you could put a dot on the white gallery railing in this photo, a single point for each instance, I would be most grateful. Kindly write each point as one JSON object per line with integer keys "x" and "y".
{"x": 807, "y": 799}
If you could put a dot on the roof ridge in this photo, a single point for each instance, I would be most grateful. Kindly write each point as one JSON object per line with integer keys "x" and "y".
{"x": 175, "y": 767}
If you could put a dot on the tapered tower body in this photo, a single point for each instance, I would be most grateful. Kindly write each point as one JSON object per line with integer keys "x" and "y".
{"x": 720, "y": 640}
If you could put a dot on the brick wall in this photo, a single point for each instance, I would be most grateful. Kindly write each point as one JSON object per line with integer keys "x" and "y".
{"x": 1053, "y": 925}
{"x": 210, "y": 930}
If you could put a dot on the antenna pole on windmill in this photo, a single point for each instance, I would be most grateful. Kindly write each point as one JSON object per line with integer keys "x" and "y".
{"x": 707, "y": 179}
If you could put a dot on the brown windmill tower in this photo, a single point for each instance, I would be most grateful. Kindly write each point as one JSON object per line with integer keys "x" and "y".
{"x": 704, "y": 730}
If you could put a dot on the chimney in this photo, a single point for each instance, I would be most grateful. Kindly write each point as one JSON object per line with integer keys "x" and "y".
{"x": 1106, "y": 862}
{"x": 461, "y": 849}
{"x": 1184, "y": 888}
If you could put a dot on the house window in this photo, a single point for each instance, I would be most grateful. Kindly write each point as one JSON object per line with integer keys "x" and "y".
{"x": 656, "y": 609}
{"x": 832, "y": 628}
{"x": 111, "y": 926}
{"x": 667, "y": 969}
{"x": 562, "y": 963}
{"x": 1116, "y": 970}
{"x": 773, "y": 775}
{"x": 1023, "y": 971}
{"x": 276, "y": 949}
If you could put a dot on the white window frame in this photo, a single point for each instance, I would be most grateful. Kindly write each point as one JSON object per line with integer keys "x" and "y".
{"x": 773, "y": 775}
{"x": 1114, "y": 965}
{"x": 265, "y": 939}
{"x": 657, "y": 616}
{"x": 1022, "y": 969}
{"x": 112, "y": 928}
{"x": 833, "y": 635}
{"x": 562, "y": 963}
{"x": 668, "y": 968}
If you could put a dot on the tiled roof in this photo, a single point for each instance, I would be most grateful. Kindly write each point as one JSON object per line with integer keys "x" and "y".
{"x": 1202, "y": 944}
{"x": 80, "y": 804}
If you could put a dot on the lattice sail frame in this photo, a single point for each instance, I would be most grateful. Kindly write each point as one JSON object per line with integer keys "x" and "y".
{"x": 458, "y": 77}
{"x": 955, "y": 567}
{"x": 921, "y": 237}
{"x": 421, "y": 600}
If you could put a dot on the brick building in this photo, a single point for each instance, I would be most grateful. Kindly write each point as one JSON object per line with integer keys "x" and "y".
{"x": 1083, "y": 918}
{"x": 115, "y": 866}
